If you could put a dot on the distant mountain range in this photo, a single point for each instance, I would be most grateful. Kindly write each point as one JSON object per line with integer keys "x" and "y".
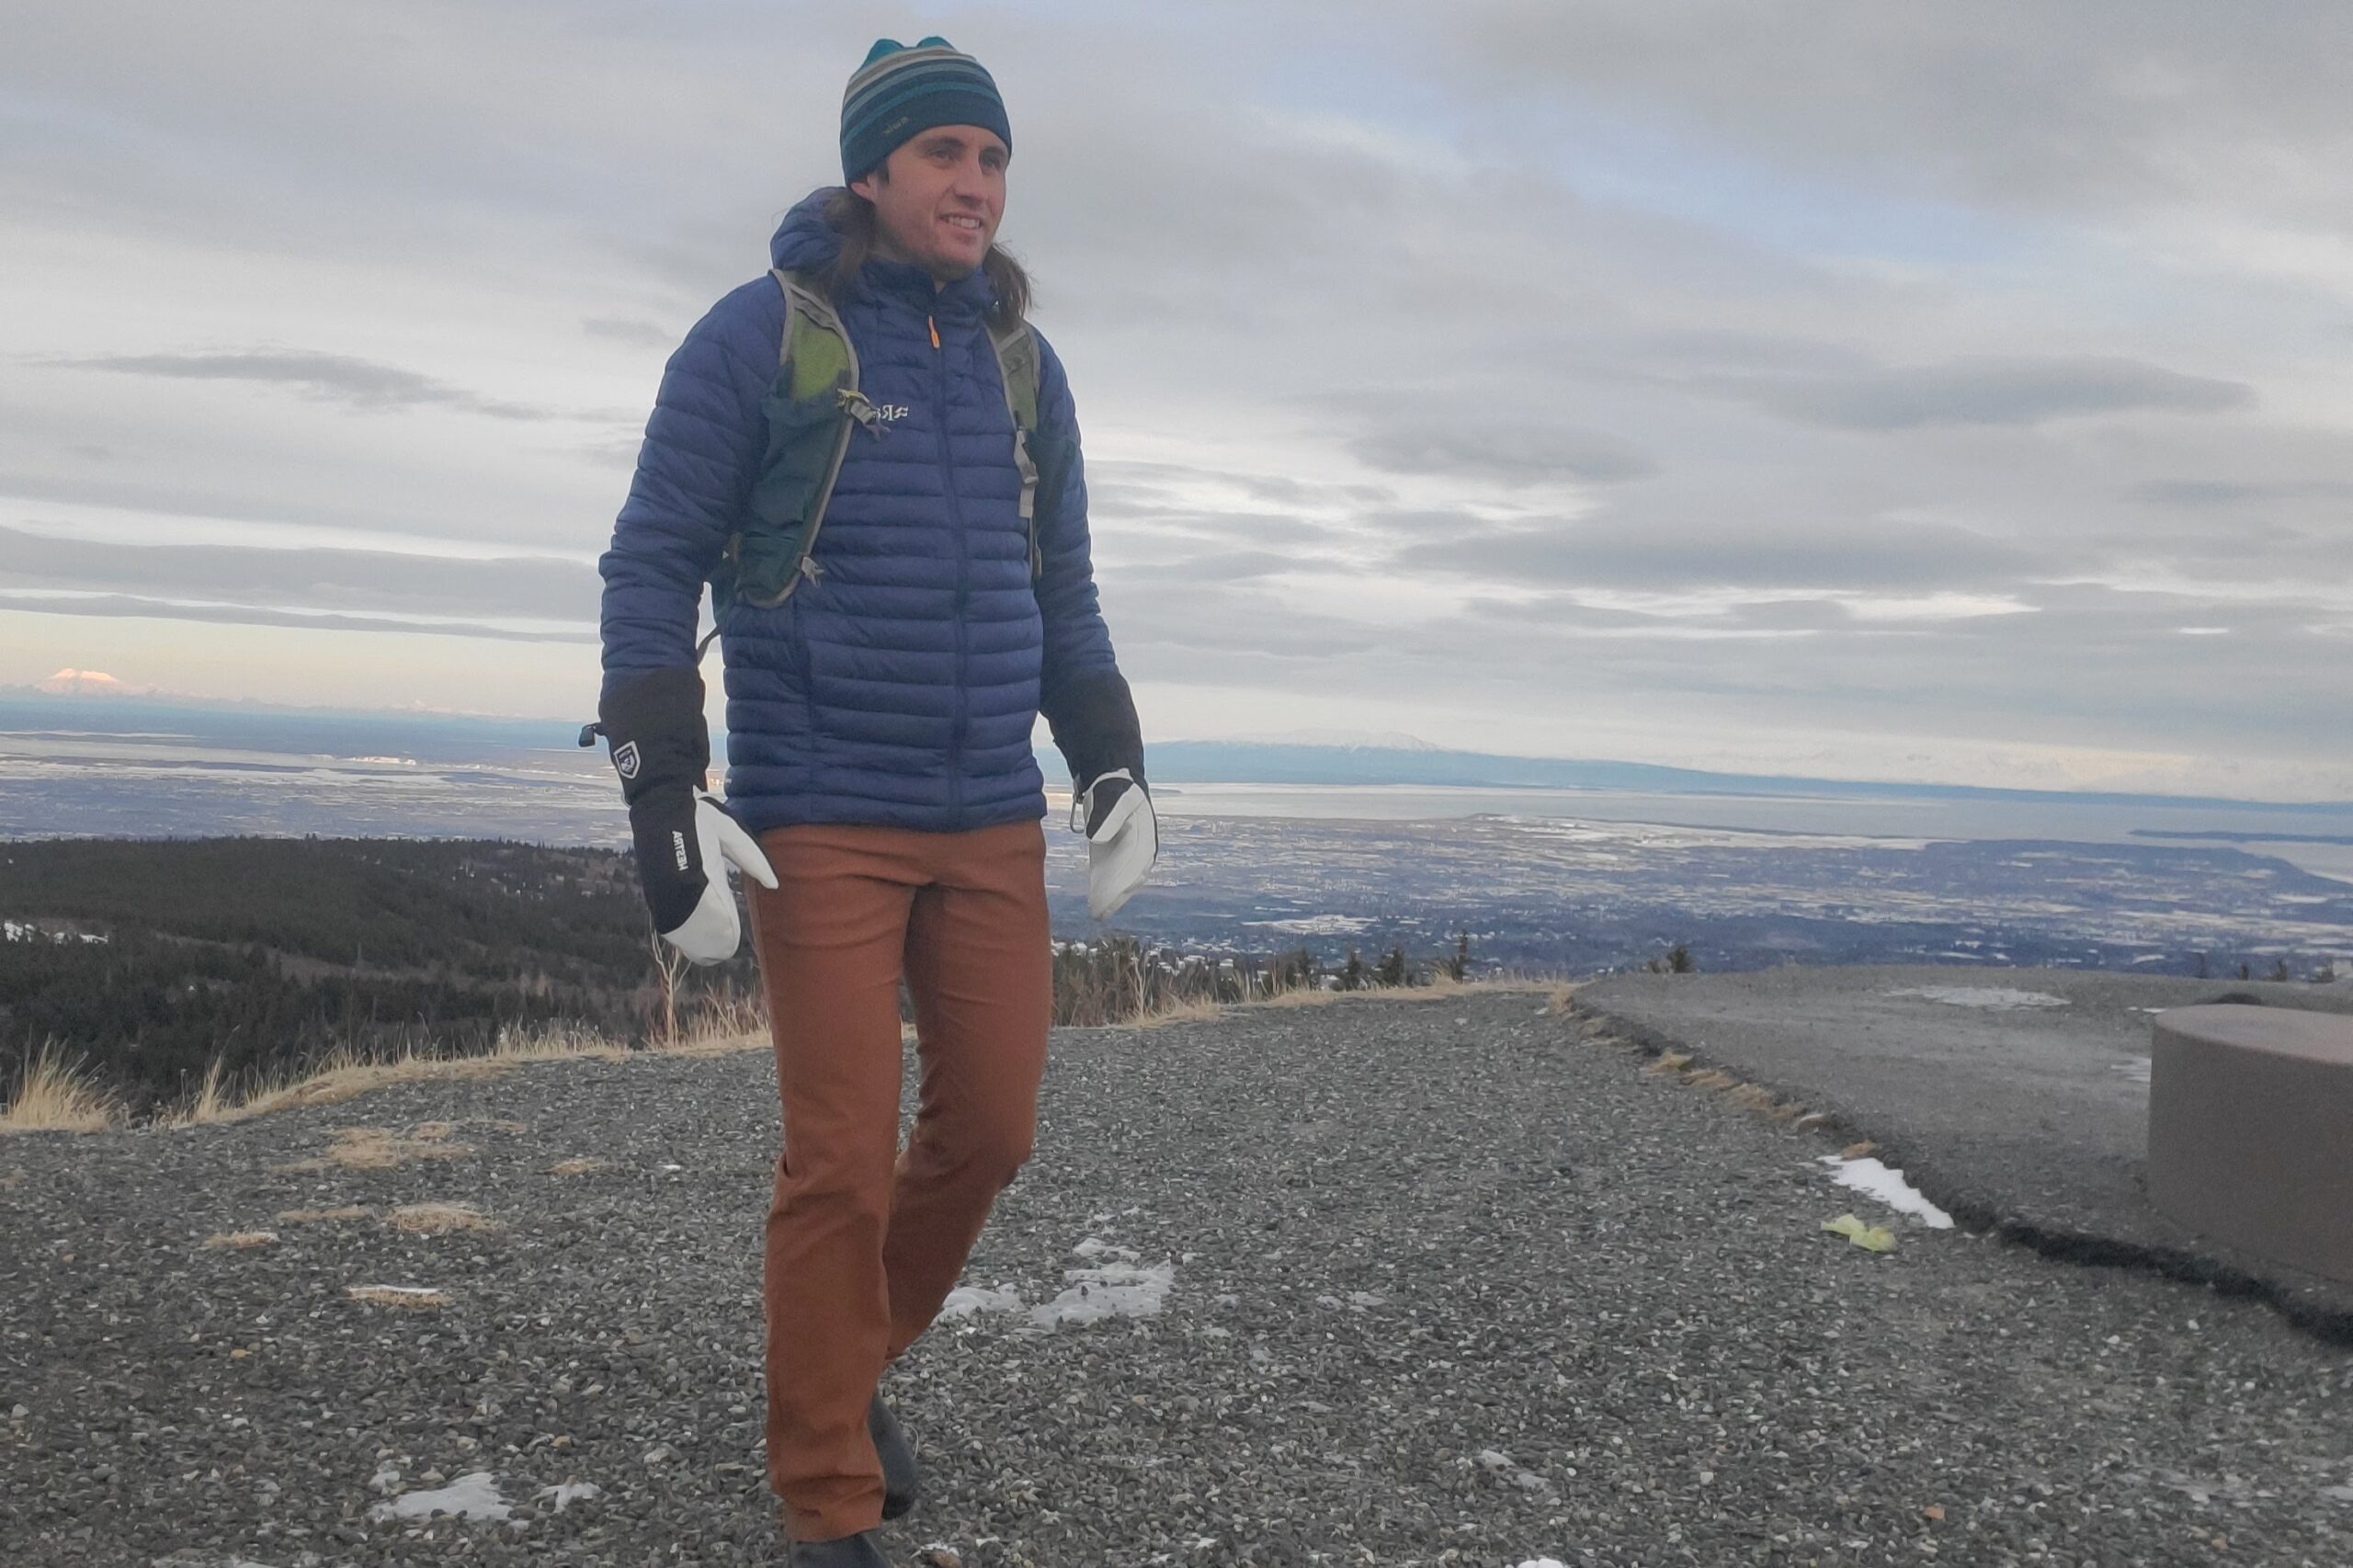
{"x": 1267, "y": 762}
{"x": 1305, "y": 758}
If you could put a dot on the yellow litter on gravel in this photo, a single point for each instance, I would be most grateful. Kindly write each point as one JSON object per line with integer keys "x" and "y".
{"x": 413, "y": 1297}
{"x": 1870, "y": 1238}
{"x": 439, "y": 1219}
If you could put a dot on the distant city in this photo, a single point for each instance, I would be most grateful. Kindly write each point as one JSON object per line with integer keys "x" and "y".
{"x": 1275, "y": 843}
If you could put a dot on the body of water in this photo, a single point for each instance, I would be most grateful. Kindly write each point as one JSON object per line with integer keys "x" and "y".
{"x": 2241, "y": 826}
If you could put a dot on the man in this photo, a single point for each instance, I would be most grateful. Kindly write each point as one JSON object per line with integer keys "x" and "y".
{"x": 876, "y": 462}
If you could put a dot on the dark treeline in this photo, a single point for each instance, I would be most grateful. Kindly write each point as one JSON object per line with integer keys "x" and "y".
{"x": 151, "y": 962}
{"x": 154, "y": 959}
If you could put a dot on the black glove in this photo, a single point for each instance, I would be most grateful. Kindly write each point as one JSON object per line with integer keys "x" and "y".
{"x": 683, "y": 834}
{"x": 1094, "y": 722}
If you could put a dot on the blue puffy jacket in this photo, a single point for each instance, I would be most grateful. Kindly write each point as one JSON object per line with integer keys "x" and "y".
{"x": 901, "y": 685}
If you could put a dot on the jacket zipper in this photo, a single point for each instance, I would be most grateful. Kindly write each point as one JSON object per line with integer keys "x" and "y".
{"x": 964, "y": 582}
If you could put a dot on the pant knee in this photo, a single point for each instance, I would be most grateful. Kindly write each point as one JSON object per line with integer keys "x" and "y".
{"x": 848, "y": 1188}
{"x": 990, "y": 1154}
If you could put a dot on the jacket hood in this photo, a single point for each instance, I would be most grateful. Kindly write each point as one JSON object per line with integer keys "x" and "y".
{"x": 804, "y": 241}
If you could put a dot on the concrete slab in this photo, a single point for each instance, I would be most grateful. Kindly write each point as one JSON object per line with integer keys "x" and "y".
{"x": 2016, "y": 1100}
{"x": 2251, "y": 1130}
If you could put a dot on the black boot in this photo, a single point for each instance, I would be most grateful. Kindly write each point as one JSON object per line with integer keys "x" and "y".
{"x": 900, "y": 1480}
{"x": 859, "y": 1551}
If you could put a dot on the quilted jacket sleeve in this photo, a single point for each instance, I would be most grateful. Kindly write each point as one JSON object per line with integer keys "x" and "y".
{"x": 702, "y": 449}
{"x": 1081, "y": 691}
{"x": 1077, "y": 642}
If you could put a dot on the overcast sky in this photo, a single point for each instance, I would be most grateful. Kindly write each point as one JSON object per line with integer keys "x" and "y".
{"x": 1892, "y": 391}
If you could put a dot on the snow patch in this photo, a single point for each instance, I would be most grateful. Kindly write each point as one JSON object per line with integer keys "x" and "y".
{"x": 966, "y": 1300}
{"x": 1874, "y": 1179}
{"x": 569, "y": 1492}
{"x": 470, "y": 1496}
{"x": 1315, "y": 924}
{"x": 2000, "y": 998}
{"x": 1118, "y": 1285}
{"x": 25, "y": 931}
{"x": 1500, "y": 1464}
{"x": 1116, "y": 1290}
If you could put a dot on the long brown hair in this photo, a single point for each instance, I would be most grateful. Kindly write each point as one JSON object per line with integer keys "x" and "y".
{"x": 851, "y": 216}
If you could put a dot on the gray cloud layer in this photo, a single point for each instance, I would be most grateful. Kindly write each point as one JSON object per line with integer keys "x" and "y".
{"x": 512, "y": 587}
{"x": 1997, "y": 391}
{"x": 333, "y": 378}
{"x": 113, "y": 605}
{"x": 1698, "y": 375}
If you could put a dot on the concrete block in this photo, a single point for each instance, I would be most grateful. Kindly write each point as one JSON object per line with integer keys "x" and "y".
{"x": 2251, "y": 1130}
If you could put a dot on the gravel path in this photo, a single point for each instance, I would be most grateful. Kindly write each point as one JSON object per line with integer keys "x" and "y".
{"x": 1437, "y": 1282}
{"x": 2017, "y": 1098}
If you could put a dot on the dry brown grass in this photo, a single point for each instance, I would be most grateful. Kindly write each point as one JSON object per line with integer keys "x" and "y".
{"x": 1762, "y": 1100}
{"x": 57, "y": 1096}
{"x": 1856, "y": 1151}
{"x": 343, "y": 1078}
{"x": 1173, "y": 1012}
{"x": 376, "y": 1149}
{"x": 575, "y": 1168}
{"x": 553, "y": 1043}
{"x": 440, "y": 1219}
{"x": 407, "y": 1298}
{"x": 342, "y": 1074}
{"x": 1439, "y": 988}
{"x": 239, "y": 1240}
{"x": 732, "y": 1044}
{"x": 211, "y": 1103}
{"x": 1668, "y": 1062}
{"x": 1712, "y": 1078}
{"x": 318, "y": 1216}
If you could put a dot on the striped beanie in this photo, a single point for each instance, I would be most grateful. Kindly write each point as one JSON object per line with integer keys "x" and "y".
{"x": 901, "y": 91}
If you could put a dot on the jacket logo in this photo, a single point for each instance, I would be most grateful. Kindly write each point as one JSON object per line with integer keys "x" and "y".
{"x": 625, "y": 761}
{"x": 890, "y": 411}
{"x": 678, "y": 847}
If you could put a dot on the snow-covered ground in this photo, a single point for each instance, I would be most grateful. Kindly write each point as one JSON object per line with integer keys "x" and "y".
{"x": 2000, "y": 998}
{"x": 1118, "y": 1284}
{"x": 1870, "y": 1176}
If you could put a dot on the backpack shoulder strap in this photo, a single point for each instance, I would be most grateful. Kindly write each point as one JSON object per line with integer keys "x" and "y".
{"x": 816, "y": 347}
{"x": 1017, "y": 364}
{"x": 810, "y": 409}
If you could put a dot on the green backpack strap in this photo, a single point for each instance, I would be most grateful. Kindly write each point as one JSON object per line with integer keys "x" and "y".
{"x": 808, "y": 410}
{"x": 1017, "y": 364}
{"x": 815, "y": 347}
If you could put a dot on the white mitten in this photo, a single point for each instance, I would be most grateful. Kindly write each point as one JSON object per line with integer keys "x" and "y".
{"x": 1122, "y": 839}
{"x": 711, "y": 933}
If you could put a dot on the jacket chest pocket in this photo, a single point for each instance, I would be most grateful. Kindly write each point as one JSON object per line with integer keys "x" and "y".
{"x": 769, "y": 555}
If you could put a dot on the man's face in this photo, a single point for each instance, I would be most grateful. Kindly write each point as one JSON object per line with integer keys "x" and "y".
{"x": 939, "y": 197}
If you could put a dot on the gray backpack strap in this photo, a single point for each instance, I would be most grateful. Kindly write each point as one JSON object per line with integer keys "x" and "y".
{"x": 1017, "y": 364}
{"x": 810, "y": 411}
{"x": 816, "y": 347}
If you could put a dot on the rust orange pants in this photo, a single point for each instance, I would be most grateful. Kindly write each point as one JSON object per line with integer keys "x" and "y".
{"x": 864, "y": 1242}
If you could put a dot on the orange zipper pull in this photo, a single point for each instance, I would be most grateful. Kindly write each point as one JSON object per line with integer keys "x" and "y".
{"x": 934, "y": 330}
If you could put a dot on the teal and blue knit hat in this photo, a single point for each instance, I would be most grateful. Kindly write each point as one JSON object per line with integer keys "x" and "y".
{"x": 899, "y": 92}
